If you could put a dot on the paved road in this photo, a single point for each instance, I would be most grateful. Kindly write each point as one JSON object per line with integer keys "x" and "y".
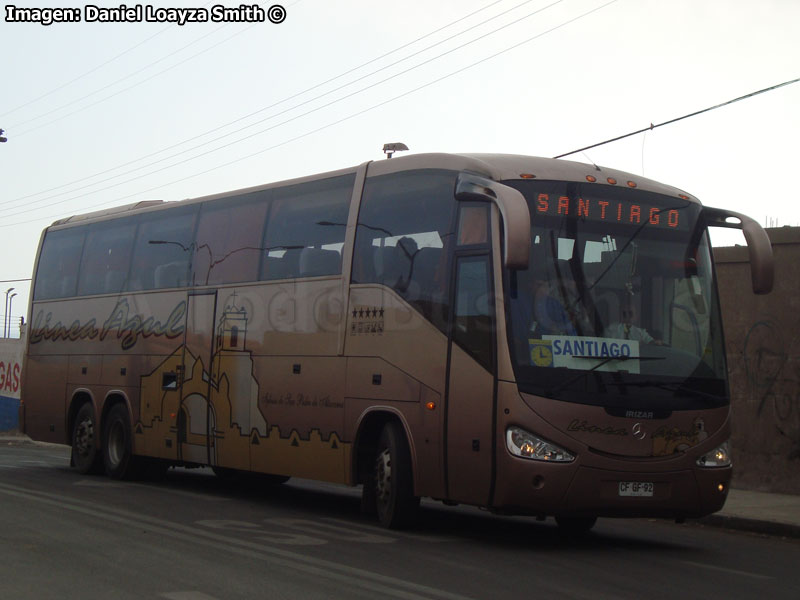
{"x": 193, "y": 537}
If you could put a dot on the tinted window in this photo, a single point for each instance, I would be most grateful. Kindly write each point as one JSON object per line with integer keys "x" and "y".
{"x": 305, "y": 229}
{"x": 106, "y": 257}
{"x": 57, "y": 273}
{"x": 404, "y": 237}
{"x": 229, "y": 239}
{"x": 163, "y": 250}
{"x": 472, "y": 328}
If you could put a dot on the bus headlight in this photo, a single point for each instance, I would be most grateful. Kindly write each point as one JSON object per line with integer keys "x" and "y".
{"x": 527, "y": 445}
{"x": 718, "y": 457}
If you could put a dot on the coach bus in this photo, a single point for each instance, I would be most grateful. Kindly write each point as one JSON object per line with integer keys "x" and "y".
{"x": 527, "y": 335}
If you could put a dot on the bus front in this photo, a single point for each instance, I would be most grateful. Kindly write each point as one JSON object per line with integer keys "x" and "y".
{"x": 616, "y": 402}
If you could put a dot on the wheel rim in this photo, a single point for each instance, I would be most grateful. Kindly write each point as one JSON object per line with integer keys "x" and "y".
{"x": 383, "y": 477}
{"x": 116, "y": 443}
{"x": 84, "y": 437}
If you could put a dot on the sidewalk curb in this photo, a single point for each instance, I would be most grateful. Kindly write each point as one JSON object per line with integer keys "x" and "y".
{"x": 13, "y": 437}
{"x": 773, "y": 528}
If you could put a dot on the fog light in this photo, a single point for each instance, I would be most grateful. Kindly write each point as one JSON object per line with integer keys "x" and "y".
{"x": 721, "y": 487}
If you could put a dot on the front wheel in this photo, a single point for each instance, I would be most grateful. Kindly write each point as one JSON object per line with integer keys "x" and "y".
{"x": 391, "y": 479}
{"x": 118, "y": 456}
{"x": 85, "y": 456}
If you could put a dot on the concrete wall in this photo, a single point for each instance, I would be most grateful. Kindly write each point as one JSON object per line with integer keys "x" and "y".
{"x": 762, "y": 335}
{"x": 11, "y": 351}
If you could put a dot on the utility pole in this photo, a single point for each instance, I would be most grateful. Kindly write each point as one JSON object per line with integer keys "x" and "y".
{"x": 5, "y": 313}
{"x": 10, "y": 300}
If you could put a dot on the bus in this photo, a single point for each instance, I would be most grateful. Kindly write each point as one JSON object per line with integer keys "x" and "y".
{"x": 530, "y": 336}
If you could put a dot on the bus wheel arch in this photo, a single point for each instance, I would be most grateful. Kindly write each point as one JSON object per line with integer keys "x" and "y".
{"x": 384, "y": 465}
{"x": 84, "y": 434}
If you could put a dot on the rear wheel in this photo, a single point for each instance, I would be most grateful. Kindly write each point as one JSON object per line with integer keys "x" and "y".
{"x": 118, "y": 456}
{"x": 391, "y": 480}
{"x": 85, "y": 456}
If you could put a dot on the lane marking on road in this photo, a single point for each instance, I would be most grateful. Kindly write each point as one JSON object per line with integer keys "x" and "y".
{"x": 97, "y": 483}
{"x": 187, "y": 596}
{"x": 348, "y": 576}
{"x": 432, "y": 539}
{"x": 107, "y": 483}
{"x": 725, "y": 570}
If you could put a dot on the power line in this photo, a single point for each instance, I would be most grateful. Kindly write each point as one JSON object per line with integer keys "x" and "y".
{"x": 81, "y": 76}
{"x": 675, "y": 120}
{"x": 351, "y": 116}
{"x": 340, "y": 99}
{"x": 90, "y": 71}
{"x": 130, "y": 87}
{"x": 269, "y": 107}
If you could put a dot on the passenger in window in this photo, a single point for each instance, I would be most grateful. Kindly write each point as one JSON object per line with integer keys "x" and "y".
{"x": 626, "y": 328}
{"x": 539, "y": 310}
{"x": 408, "y": 251}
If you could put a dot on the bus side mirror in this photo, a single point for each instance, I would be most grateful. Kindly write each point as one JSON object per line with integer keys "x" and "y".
{"x": 513, "y": 210}
{"x": 762, "y": 263}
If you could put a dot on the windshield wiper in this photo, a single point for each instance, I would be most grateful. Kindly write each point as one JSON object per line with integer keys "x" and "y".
{"x": 676, "y": 387}
{"x": 602, "y": 362}
{"x": 618, "y": 358}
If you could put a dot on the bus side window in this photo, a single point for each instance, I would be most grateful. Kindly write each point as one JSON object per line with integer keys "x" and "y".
{"x": 473, "y": 326}
{"x": 106, "y": 258}
{"x": 57, "y": 273}
{"x": 404, "y": 237}
{"x": 229, "y": 239}
{"x": 473, "y": 224}
{"x": 304, "y": 217}
{"x": 163, "y": 250}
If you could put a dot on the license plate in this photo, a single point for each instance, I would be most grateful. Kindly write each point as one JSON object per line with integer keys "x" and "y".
{"x": 636, "y": 488}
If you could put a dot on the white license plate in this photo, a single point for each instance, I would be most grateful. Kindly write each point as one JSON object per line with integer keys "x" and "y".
{"x": 636, "y": 488}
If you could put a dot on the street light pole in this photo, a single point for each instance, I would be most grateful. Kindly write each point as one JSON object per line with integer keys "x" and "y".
{"x": 5, "y": 313}
{"x": 10, "y": 300}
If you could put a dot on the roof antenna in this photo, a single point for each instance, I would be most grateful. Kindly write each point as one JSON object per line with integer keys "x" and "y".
{"x": 389, "y": 149}
{"x": 591, "y": 161}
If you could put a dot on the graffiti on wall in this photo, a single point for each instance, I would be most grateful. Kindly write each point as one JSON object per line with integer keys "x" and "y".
{"x": 773, "y": 381}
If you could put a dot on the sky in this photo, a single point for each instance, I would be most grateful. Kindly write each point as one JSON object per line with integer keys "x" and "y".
{"x": 100, "y": 114}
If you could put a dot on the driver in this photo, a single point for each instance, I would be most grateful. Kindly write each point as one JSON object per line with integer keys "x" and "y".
{"x": 626, "y": 328}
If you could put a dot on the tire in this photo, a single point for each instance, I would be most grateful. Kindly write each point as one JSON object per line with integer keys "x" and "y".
{"x": 391, "y": 480}
{"x": 118, "y": 458}
{"x": 85, "y": 456}
{"x": 575, "y": 526}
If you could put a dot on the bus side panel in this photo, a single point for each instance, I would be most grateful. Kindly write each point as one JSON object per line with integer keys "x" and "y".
{"x": 397, "y": 359}
{"x": 301, "y": 405}
{"x": 43, "y": 392}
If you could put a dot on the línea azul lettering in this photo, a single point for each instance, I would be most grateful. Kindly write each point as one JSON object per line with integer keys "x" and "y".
{"x": 44, "y": 329}
{"x": 130, "y": 328}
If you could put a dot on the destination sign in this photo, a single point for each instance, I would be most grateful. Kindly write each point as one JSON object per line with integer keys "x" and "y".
{"x": 585, "y": 353}
{"x": 612, "y": 211}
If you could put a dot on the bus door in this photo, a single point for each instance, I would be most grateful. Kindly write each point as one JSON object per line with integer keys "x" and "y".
{"x": 469, "y": 428}
{"x": 196, "y": 416}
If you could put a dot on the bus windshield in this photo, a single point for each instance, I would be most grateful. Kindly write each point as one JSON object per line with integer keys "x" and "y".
{"x": 618, "y": 306}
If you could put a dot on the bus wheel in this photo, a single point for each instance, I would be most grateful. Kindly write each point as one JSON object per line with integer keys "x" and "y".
{"x": 117, "y": 444}
{"x": 391, "y": 479}
{"x": 575, "y": 526}
{"x": 85, "y": 457}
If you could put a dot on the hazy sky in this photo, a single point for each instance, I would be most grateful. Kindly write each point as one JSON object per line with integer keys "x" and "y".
{"x": 103, "y": 114}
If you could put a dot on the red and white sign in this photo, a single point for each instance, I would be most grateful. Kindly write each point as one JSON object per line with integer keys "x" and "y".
{"x": 10, "y": 369}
